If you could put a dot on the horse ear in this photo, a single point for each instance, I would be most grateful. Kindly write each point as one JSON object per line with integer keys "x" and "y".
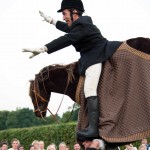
{"x": 31, "y": 80}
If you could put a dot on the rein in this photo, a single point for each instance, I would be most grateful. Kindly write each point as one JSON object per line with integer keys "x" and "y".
{"x": 37, "y": 95}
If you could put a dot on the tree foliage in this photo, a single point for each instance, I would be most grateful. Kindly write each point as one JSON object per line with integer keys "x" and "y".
{"x": 71, "y": 114}
{"x": 25, "y": 117}
{"x": 3, "y": 118}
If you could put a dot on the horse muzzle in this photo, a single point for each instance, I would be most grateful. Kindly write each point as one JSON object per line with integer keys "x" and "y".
{"x": 40, "y": 113}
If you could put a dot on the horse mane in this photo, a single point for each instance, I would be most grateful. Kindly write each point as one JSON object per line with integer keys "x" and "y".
{"x": 44, "y": 73}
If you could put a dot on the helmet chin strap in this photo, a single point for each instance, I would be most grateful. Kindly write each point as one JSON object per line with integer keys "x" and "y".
{"x": 73, "y": 11}
{"x": 71, "y": 14}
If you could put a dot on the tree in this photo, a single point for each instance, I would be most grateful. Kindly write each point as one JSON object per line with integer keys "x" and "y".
{"x": 3, "y": 118}
{"x": 51, "y": 120}
{"x": 71, "y": 114}
{"x": 25, "y": 117}
{"x": 12, "y": 121}
{"x": 22, "y": 118}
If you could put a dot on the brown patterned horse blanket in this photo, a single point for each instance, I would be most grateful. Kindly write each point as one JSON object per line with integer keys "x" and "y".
{"x": 124, "y": 97}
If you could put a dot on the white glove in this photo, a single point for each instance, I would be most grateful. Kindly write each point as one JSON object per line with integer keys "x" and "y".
{"x": 48, "y": 18}
{"x": 35, "y": 51}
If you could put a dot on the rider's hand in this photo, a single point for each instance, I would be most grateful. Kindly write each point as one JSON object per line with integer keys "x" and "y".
{"x": 35, "y": 51}
{"x": 48, "y": 18}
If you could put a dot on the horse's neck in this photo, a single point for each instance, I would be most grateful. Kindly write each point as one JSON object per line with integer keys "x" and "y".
{"x": 65, "y": 82}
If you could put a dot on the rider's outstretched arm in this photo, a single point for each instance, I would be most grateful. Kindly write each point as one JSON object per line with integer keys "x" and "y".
{"x": 62, "y": 26}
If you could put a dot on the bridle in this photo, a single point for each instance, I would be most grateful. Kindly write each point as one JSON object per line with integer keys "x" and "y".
{"x": 42, "y": 99}
{"x": 37, "y": 95}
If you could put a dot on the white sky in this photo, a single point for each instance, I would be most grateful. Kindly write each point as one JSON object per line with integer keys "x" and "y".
{"x": 22, "y": 27}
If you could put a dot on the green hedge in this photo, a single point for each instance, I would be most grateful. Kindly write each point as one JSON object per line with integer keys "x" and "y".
{"x": 49, "y": 134}
{"x": 55, "y": 133}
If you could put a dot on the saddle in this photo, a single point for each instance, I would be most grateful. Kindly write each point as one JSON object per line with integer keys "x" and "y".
{"x": 124, "y": 97}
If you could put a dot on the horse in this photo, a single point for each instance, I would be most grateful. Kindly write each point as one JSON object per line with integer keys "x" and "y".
{"x": 65, "y": 79}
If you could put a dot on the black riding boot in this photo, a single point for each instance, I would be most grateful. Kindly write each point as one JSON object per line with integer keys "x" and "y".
{"x": 93, "y": 116}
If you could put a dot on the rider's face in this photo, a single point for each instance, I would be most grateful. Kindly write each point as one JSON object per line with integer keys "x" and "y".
{"x": 67, "y": 17}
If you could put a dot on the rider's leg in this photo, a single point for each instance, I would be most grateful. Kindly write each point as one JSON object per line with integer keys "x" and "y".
{"x": 92, "y": 75}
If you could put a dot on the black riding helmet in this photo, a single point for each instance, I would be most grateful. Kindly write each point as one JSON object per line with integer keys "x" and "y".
{"x": 69, "y": 4}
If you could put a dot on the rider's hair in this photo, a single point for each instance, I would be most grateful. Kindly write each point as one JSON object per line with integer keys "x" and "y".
{"x": 78, "y": 12}
{"x": 101, "y": 144}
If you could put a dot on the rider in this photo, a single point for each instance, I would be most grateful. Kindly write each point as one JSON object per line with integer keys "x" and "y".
{"x": 93, "y": 47}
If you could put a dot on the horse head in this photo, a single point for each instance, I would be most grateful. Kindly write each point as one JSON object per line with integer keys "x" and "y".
{"x": 39, "y": 98}
{"x": 61, "y": 79}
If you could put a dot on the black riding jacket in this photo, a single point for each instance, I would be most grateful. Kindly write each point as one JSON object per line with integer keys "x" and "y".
{"x": 87, "y": 39}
